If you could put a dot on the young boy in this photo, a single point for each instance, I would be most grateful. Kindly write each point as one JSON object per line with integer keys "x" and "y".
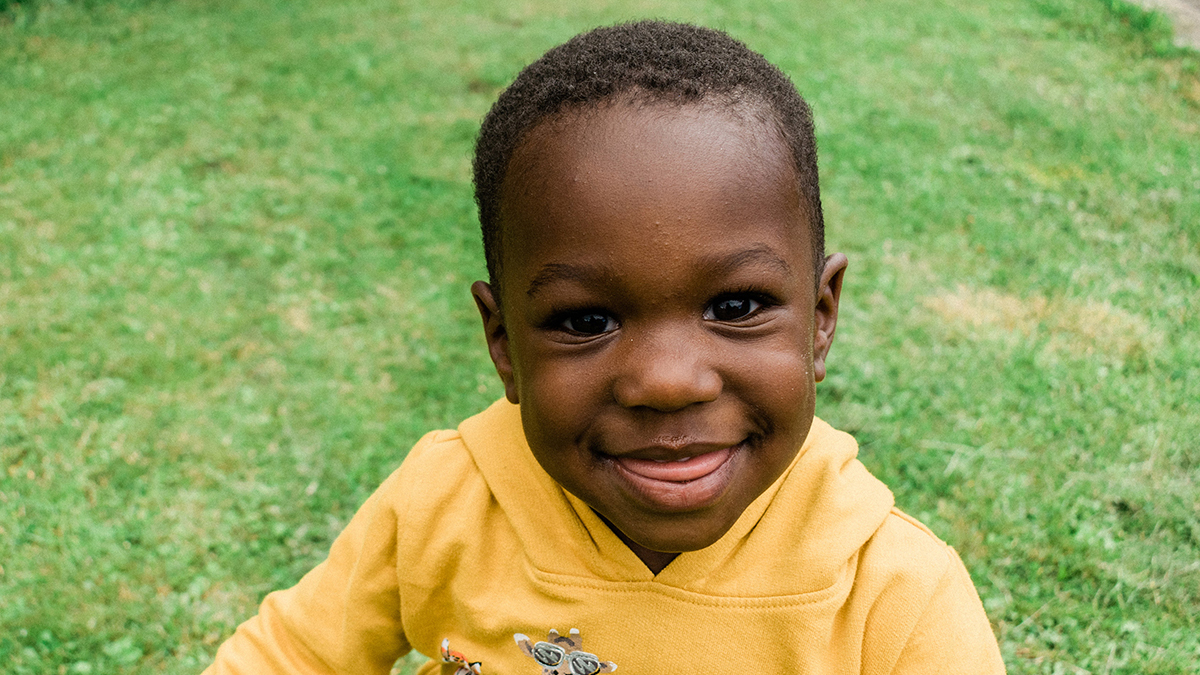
{"x": 655, "y": 494}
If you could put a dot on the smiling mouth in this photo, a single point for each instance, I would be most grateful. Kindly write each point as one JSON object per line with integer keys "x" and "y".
{"x": 684, "y": 470}
{"x": 678, "y": 485}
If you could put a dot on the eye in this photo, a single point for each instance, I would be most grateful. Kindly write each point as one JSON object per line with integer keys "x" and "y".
{"x": 583, "y": 663}
{"x": 548, "y": 654}
{"x": 732, "y": 308}
{"x": 589, "y": 323}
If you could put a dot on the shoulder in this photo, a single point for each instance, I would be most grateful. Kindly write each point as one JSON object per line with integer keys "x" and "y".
{"x": 440, "y": 450}
{"x": 442, "y": 500}
{"x": 904, "y": 567}
{"x": 918, "y": 584}
{"x": 904, "y": 553}
{"x": 438, "y": 468}
{"x": 901, "y": 530}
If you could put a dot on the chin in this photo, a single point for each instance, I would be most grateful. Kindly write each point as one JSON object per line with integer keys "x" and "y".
{"x": 680, "y": 542}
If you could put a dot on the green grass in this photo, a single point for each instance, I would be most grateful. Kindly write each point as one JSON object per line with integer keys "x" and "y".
{"x": 236, "y": 239}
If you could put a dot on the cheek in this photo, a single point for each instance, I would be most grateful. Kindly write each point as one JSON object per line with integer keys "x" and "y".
{"x": 778, "y": 386}
{"x": 781, "y": 371}
{"x": 558, "y": 394}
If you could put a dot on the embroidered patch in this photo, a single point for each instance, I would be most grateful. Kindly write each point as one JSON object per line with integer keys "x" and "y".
{"x": 458, "y": 659}
{"x": 563, "y": 655}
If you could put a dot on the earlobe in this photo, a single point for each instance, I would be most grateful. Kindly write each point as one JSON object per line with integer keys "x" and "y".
{"x": 829, "y": 293}
{"x": 496, "y": 334}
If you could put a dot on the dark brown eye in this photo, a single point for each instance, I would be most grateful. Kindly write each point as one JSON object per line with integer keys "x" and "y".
{"x": 590, "y": 323}
{"x": 732, "y": 309}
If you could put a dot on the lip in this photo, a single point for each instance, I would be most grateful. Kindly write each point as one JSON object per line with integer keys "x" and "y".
{"x": 682, "y": 470}
{"x": 684, "y": 480}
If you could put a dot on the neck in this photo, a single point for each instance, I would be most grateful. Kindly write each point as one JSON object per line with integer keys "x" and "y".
{"x": 656, "y": 561}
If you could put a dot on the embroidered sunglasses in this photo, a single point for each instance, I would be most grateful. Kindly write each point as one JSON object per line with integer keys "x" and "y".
{"x": 581, "y": 663}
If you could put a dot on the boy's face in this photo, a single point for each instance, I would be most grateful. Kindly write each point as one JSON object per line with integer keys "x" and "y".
{"x": 658, "y": 324}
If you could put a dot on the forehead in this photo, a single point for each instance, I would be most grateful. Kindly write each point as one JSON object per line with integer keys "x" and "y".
{"x": 630, "y": 168}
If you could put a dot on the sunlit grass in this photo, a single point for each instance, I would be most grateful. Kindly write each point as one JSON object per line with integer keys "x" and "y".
{"x": 236, "y": 240}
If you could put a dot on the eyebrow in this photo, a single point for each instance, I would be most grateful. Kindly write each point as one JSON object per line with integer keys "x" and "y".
{"x": 717, "y": 266}
{"x": 551, "y": 272}
{"x": 756, "y": 255}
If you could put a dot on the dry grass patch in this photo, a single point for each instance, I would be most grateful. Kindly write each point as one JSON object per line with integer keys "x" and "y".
{"x": 1081, "y": 328}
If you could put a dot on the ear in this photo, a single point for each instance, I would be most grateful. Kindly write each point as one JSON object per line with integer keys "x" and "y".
{"x": 496, "y": 335}
{"x": 574, "y": 641}
{"x": 829, "y": 293}
{"x": 523, "y": 642}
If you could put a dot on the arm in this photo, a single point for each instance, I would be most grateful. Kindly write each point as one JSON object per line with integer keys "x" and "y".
{"x": 343, "y": 616}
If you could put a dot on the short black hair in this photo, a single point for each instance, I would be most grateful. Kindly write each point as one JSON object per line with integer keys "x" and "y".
{"x": 652, "y": 61}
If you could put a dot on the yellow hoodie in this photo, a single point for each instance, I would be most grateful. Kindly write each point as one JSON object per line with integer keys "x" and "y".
{"x": 471, "y": 554}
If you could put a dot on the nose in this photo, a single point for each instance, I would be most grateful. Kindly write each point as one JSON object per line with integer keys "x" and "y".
{"x": 665, "y": 372}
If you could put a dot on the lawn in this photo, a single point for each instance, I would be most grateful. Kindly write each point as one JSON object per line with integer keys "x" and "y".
{"x": 236, "y": 239}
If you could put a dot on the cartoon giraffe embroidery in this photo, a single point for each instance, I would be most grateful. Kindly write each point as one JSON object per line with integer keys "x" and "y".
{"x": 563, "y": 655}
{"x": 458, "y": 659}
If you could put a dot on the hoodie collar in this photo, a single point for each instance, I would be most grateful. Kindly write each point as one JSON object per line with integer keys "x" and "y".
{"x": 794, "y": 538}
